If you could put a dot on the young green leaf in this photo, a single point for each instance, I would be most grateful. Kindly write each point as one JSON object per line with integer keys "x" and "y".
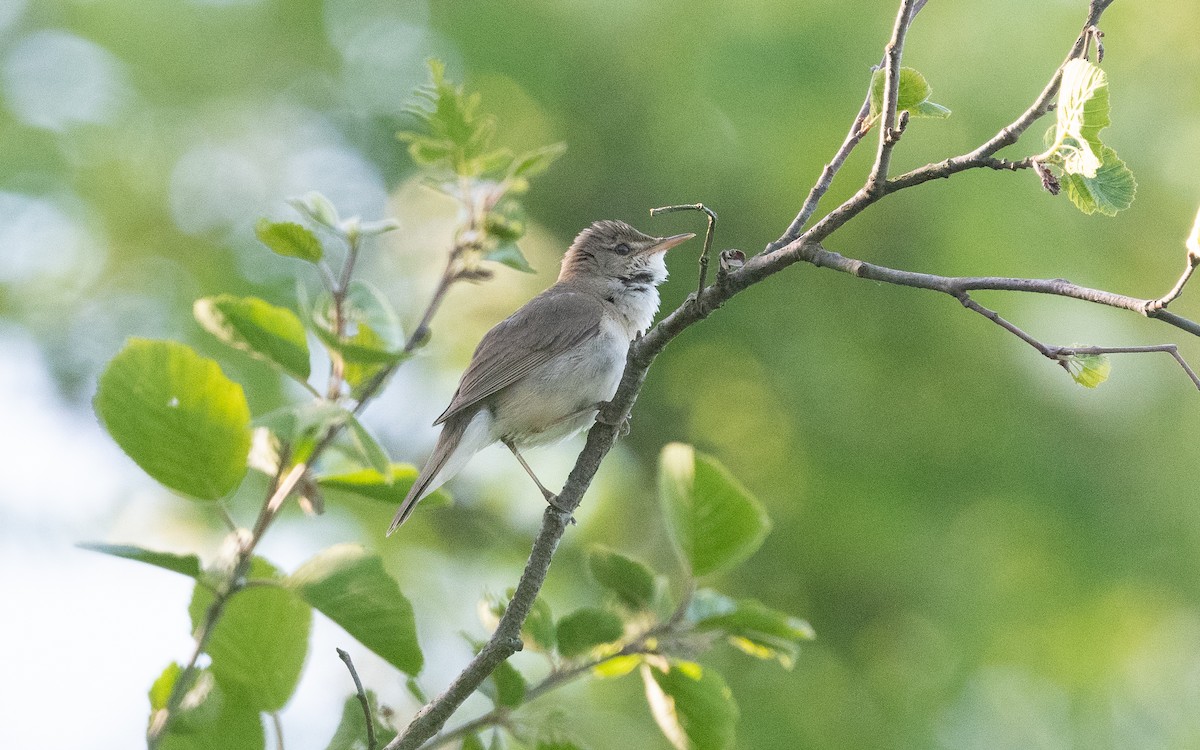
{"x": 586, "y": 628}
{"x": 351, "y": 733}
{"x": 1089, "y": 370}
{"x": 713, "y": 521}
{"x": 160, "y": 691}
{"x": 371, "y": 337}
{"x": 1083, "y": 105}
{"x": 177, "y": 416}
{"x": 912, "y": 96}
{"x": 258, "y": 645}
{"x": 349, "y": 585}
{"x": 507, "y": 253}
{"x": 289, "y": 239}
{"x": 317, "y": 209}
{"x": 473, "y": 742}
{"x": 750, "y": 626}
{"x": 1112, "y": 189}
{"x": 617, "y": 666}
{"x": 189, "y": 565}
{"x": 301, "y": 425}
{"x": 273, "y": 334}
{"x": 533, "y": 163}
{"x": 390, "y": 490}
{"x": 692, "y": 705}
{"x": 631, "y": 581}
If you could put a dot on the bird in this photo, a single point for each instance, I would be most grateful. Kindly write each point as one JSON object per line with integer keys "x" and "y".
{"x": 542, "y": 374}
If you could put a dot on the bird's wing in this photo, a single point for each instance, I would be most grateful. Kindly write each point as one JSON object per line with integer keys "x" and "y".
{"x": 548, "y": 325}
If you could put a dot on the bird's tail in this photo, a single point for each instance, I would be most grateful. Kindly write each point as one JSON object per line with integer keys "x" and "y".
{"x": 462, "y": 436}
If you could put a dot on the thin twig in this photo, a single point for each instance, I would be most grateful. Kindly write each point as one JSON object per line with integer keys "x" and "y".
{"x": 275, "y": 722}
{"x": 1192, "y": 243}
{"x": 708, "y": 235}
{"x": 889, "y": 133}
{"x": 1172, "y": 349}
{"x": 362, "y": 698}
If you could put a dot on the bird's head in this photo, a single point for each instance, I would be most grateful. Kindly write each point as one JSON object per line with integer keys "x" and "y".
{"x": 613, "y": 252}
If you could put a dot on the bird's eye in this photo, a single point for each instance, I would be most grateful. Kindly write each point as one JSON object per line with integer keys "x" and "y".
{"x": 622, "y": 249}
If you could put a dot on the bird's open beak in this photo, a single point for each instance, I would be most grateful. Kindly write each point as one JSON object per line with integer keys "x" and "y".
{"x": 666, "y": 243}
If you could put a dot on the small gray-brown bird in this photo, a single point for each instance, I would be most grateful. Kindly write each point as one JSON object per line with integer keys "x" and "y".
{"x": 541, "y": 374}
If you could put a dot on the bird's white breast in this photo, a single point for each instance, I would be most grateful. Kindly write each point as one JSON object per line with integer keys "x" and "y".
{"x": 557, "y": 399}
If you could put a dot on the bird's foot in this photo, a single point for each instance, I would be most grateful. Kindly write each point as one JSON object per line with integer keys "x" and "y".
{"x": 552, "y": 501}
{"x": 622, "y": 424}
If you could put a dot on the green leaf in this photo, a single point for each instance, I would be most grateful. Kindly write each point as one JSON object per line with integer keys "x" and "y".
{"x": 390, "y": 489}
{"x": 160, "y": 691}
{"x": 631, "y": 581}
{"x": 533, "y": 163}
{"x": 366, "y": 448}
{"x": 177, "y": 416}
{"x": 258, "y": 645}
{"x": 617, "y": 666}
{"x": 302, "y": 425}
{"x": 556, "y": 744}
{"x": 208, "y": 719}
{"x": 1089, "y": 370}
{"x": 316, "y": 208}
{"x": 371, "y": 335}
{"x": 274, "y": 334}
{"x": 289, "y": 239}
{"x": 692, "y": 705}
{"x": 473, "y": 742}
{"x": 1112, "y": 189}
{"x": 350, "y": 586}
{"x": 1083, "y": 105}
{"x": 189, "y": 565}
{"x": 351, "y": 731}
{"x": 507, "y": 253}
{"x": 505, "y": 686}
{"x": 930, "y": 110}
{"x": 750, "y": 626}
{"x": 586, "y": 628}
{"x": 713, "y": 521}
{"x": 912, "y": 96}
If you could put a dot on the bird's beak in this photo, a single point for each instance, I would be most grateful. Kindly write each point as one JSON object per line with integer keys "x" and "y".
{"x": 666, "y": 243}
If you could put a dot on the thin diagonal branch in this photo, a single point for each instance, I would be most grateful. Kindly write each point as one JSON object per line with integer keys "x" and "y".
{"x": 1193, "y": 259}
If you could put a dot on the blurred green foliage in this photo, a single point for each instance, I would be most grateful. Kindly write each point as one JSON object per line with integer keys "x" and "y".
{"x": 991, "y": 556}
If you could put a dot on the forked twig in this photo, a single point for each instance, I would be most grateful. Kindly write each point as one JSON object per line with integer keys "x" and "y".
{"x": 362, "y": 698}
{"x": 708, "y": 235}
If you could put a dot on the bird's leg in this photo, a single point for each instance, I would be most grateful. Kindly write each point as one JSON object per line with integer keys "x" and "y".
{"x": 551, "y": 498}
{"x": 622, "y": 426}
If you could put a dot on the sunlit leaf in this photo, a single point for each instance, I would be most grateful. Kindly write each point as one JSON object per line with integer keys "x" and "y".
{"x": 160, "y": 691}
{"x": 692, "y": 705}
{"x": 177, "y": 416}
{"x": 1083, "y": 105}
{"x": 631, "y": 581}
{"x": 349, "y": 585}
{"x": 258, "y": 645}
{"x": 586, "y": 628}
{"x": 289, "y": 239}
{"x": 912, "y": 96}
{"x": 1112, "y": 189}
{"x": 1089, "y": 370}
{"x": 274, "y": 334}
{"x": 714, "y": 522}
{"x": 374, "y": 485}
{"x": 617, "y": 666}
{"x": 208, "y": 719}
{"x": 750, "y": 626}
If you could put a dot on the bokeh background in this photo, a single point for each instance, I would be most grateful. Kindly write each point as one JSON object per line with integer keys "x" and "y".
{"x": 992, "y": 557}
